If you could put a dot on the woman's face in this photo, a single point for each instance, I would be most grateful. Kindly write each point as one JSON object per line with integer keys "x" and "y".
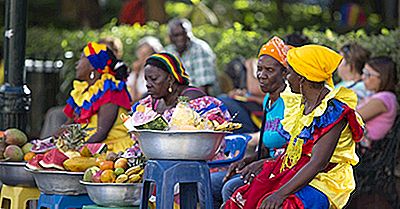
{"x": 294, "y": 80}
{"x": 344, "y": 69}
{"x": 269, "y": 74}
{"x": 371, "y": 78}
{"x": 83, "y": 69}
{"x": 157, "y": 81}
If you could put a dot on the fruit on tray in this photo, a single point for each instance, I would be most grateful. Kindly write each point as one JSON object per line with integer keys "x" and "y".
{"x": 96, "y": 178}
{"x": 29, "y": 156}
{"x": 93, "y": 148}
{"x": 15, "y": 136}
{"x": 34, "y": 162}
{"x": 43, "y": 145}
{"x": 79, "y": 164}
{"x": 53, "y": 159}
{"x": 121, "y": 163}
{"x": 27, "y": 147}
{"x": 108, "y": 176}
{"x": 13, "y": 153}
{"x": 89, "y": 173}
{"x": 72, "y": 137}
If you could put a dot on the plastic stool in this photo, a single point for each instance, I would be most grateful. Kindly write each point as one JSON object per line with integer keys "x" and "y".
{"x": 100, "y": 207}
{"x": 18, "y": 196}
{"x": 166, "y": 173}
{"x": 54, "y": 201}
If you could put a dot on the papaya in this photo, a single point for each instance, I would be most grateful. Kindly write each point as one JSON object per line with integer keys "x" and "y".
{"x": 14, "y": 153}
{"x": 79, "y": 164}
{"x": 15, "y": 137}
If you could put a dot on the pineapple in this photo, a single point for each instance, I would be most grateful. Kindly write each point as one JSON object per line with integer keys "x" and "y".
{"x": 72, "y": 138}
{"x": 184, "y": 118}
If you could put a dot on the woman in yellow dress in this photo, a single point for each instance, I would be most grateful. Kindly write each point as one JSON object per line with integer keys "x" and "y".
{"x": 321, "y": 129}
{"x": 99, "y": 96}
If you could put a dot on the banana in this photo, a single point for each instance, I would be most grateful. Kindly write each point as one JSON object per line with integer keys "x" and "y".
{"x": 121, "y": 178}
{"x": 141, "y": 172}
{"x": 134, "y": 178}
{"x": 133, "y": 170}
{"x": 228, "y": 126}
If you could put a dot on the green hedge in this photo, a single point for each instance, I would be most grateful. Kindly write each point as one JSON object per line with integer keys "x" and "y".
{"x": 227, "y": 43}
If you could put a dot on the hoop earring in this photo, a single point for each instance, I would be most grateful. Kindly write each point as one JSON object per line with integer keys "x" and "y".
{"x": 91, "y": 75}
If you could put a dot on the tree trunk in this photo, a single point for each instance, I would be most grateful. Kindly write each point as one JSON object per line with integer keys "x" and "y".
{"x": 155, "y": 10}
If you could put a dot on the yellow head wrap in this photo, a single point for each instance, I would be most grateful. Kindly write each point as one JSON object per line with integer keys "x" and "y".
{"x": 314, "y": 62}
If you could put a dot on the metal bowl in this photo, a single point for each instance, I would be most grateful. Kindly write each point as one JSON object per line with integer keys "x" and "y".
{"x": 59, "y": 182}
{"x": 14, "y": 174}
{"x": 114, "y": 194}
{"x": 180, "y": 145}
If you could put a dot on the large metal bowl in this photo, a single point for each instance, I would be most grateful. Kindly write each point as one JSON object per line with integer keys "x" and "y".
{"x": 14, "y": 174}
{"x": 113, "y": 194}
{"x": 59, "y": 182}
{"x": 180, "y": 145}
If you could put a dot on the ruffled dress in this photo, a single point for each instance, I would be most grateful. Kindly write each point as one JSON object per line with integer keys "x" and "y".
{"x": 85, "y": 101}
{"x": 330, "y": 188}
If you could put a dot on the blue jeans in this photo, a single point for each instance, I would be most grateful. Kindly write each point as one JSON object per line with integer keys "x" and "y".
{"x": 222, "y": 191}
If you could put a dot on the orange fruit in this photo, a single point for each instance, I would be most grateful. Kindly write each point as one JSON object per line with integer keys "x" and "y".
{"x": 28, "y": 156}
{"x": 121, "y": 163}
{"x": 108, "y": 176}
{"x": 107, "y": 165}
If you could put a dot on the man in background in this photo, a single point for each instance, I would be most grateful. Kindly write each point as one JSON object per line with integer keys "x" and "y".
{"x": 196, "y": 55}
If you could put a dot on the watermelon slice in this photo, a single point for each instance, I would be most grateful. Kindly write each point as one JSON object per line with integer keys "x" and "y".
{"x": 53, "y": 159}
{"x": 95, "y": 148}
{"x": 34, "y": 162}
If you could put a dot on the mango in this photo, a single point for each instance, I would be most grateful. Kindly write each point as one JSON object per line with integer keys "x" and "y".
{"x": 29, "y": 156}
{"x": 108, "y": 176}
{"x": 119, "y": 171}
{"x": 15, "y": 137}
{"x": 89, "y": 173}
{"x": 14, "y": 153}
{"x": 27, "y": 147}
{"x": 3, "y": 146}
{"x": 107, "y": 165}
{"x": 121, "y": 163}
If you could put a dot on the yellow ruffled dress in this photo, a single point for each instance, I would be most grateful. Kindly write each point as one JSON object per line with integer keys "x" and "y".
{"x": 338, "y": 183}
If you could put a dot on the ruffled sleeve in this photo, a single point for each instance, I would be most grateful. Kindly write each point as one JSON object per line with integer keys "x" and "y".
{"x": 85, "y": 101}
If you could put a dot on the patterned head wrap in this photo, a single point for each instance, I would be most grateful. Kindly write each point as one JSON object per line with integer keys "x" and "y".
{"x": 100, "y": 57}
{"x": 171, "y": 64}
{"x": 275, "y": 48}
{"x": 314, "y": 62}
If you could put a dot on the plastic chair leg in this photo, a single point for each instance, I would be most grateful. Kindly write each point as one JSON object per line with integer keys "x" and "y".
{"x": 188, "y": 195}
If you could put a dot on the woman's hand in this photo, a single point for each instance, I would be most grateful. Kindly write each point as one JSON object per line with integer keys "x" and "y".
{"x": 252, "y": 170}
{"x": 274, "y": 201}
{"x": 235, "y": 167}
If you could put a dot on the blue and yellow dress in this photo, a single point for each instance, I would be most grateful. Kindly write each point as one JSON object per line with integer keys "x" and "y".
{"x": 330, "y": 188}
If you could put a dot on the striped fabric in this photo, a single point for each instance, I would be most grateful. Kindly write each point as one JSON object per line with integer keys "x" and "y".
{"x": 171, "y": 64}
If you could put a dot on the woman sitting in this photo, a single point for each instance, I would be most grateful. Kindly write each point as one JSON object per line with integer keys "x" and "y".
{"x": 271, "y": 67}
{"x": 321, "y": 129}
{"x": 350, "y": 69}
{"x": 166, "y": 81}
{"x": 380, "y": 109}
{"x": 99, "y": 96}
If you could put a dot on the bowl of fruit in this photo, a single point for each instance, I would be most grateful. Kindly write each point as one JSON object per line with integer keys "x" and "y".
{"x": 116, "y": 182}
{"x": 188, "y": 135}
{"x": 14, "y": 152}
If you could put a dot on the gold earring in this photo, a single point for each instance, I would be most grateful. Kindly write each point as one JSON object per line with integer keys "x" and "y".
{"x": 170, "y": 88}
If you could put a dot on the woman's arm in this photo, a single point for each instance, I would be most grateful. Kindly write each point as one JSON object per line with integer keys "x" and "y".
{"x": 321, "y": 154}
{"x": 373, "y": 108}
{"x": 106, "y": 117}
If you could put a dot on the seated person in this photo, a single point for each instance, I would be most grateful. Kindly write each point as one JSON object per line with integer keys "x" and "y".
{"x": 350, "y": 69}
{"x": 99, "y": 96}
{"x": 271, "y": 67}
{"x": 147, "y": 46}
{"x": 246, "y": 103}
{"x": 321, "y": 129}
{"x": 380, "y": 109}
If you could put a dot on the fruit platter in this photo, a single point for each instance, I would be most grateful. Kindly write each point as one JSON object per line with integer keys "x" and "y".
{"x": 59, "y": 165}
{"x": 117, "y": 180}
{"x": 191, "y": 133}
{"x": 14, "y": 152}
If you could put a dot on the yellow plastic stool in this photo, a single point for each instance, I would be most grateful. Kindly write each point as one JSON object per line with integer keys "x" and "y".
{"x": 18, "y": 196}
